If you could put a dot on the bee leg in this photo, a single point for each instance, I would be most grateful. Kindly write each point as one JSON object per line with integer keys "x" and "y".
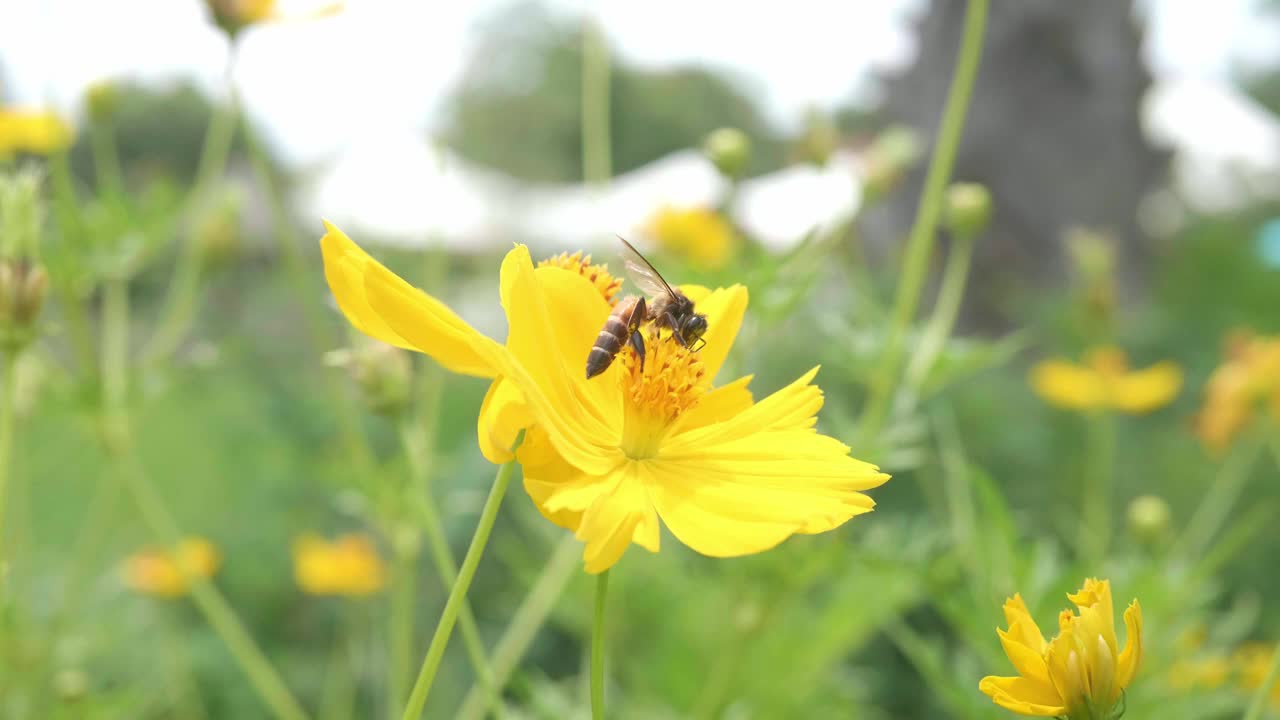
{"x": 638, "y": 314}
{"x": 675, "y": 330}
{"x": 637, "y": 342}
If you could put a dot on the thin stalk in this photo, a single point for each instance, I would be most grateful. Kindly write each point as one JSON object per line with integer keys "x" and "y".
{"x": 402, "y": 627}
{"x": 597, "y": 647}
{"x": 945, "y": 311}
{"x": 1262, "y": 695}
{"x": 67, "y": 210}
{"x": 106, "y": 159}
{"x": 1211, "y": 514}
{"x": 525, "y": 623}
{"x": 8, "y": 386}
{"x": 920, "y": 244}
{"x": 439, "y": 640}
{"x": 157, "y": 518}
{"x": 1095, "y": 506}
{"x": 423, "y": 504}
{"x": 343, "y": 667}
{"x": 597, "y": 160}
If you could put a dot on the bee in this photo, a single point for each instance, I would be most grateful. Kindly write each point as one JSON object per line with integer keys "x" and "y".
{"x": 666, "y": 308}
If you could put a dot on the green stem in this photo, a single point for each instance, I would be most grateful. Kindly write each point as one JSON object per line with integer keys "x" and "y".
{"x": 597, "y": 161}
{"x": 402, "y": 627}
{"x": 106, "y": 159}
{"x": 945, "y": 311}
{"x": 343, "y": 668}
{"x": 525, "y": 623}
{"x": 423, "y": 504}
{"x": 8, "y": 386}
{"x": 1263, "y": 694}
{"x": 211, "y": 603}
{"x": 1095, "y": 507}
{"x": 597, "y": 648}
{"x": 1212, "y": 512}
{"x": 67, "y": 210}
{"x": 920, "y": 244}
{"x": 439, "y": 640}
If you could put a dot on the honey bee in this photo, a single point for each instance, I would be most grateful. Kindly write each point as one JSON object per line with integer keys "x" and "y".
{"x": 666, "y": 308}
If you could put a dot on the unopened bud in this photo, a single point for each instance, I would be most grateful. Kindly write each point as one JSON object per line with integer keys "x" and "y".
{"x": 820, "y": 139}
{"x": 23, "y": 286}
{"x": 71, "y": 684}
{"x": 1093, "y": 256}
{"x": 382, "y": 372}
{"x": 729, "y": 149}
{"x": 30, "y": 298}
{"x": 894, "y": 152}
{"x": 102, "y": 100}
{"x": 1149, "y": 518}
{"x": 967, "y": 209}
{"x": 217, "y": 230}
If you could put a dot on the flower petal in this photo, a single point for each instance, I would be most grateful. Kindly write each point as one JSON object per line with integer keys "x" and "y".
{"x": 1069, "y": 386}
{"x": 382, "y": 305}
{"x": 1096, "y": 613}
{"x": 609, "y": 525}
{"x": 1131, "y": 657}
{"x": 1145, "y": 390}
{"x": 1022, "y": 627}
{"x": 1023, "y": 696}
{"x": 724, "y": 308}
{"x": 794, "y": 406}
{"x": 1026, "y": 659}
{"x": 716, "y": 405}
{"x": 503, "y": 414}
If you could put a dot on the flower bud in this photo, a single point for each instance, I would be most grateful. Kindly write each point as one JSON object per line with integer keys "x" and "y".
{"x": 1149, "y": 518}
{"x": 22, "y": 291}
{"x": 1093, "y": 256}
{"x": 729, "y": 149}
{"x": 819, "y": 139}
{"x": 383, "y": 373}
{"x": 894, "y": 151}
{"x": 967, "y": 209}
{"x": 217, "y": 230}
{"x": 71, "y": 684}
{"x": 102, "y": 100}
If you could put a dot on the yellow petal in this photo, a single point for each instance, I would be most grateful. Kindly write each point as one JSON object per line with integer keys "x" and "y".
{"x": 502, "y": 416}
{"x": 1023, "y": 696}
{"x": 1131, "y": 657}
{"x": 716, "y": 406}
{"x": 1028, "y": 660}
{"x": 1150, "y": 389}
{"x": 382, "y": 305}
{"x": 609, "y": 525}
{"x": 794, "y": 406}
{"x": 1022, "y": 627}
{"x": 1096, "y": 613}
{"x": 1068, "y": 386}
{"x": 724, "y": 308}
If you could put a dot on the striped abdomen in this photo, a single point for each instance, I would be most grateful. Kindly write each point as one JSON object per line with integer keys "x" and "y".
{"x": 618, "y": 328}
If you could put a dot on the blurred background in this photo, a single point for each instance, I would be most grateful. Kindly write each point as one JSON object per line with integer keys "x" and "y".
{"x": 188, "y": 152}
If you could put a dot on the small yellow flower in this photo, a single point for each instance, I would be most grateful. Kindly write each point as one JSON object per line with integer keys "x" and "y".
{"x": 235, "y": 15}
{"x": 1105, "y": 381}
{"x": 701, "y": 235}
{"x": 168, "y": 573}
{"x": 349, "y": 565}
{"x": 606, "y": 457}
{"x": 1245, "y": 386}
{"x": 41, "y": 132}
{"x": 1082, "y": 672}
{"x": 1252, "y": 661}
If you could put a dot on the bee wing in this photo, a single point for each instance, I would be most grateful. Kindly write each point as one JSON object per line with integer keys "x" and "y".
{"x": 641, "y": 272}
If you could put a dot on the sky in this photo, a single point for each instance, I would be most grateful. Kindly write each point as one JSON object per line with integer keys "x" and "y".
{"x": 387, "y": 65}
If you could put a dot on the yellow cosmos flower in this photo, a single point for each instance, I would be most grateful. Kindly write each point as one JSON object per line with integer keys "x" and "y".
{"x": 168, "y": 573}
{"x": 606, "y": 457}
{"x": 40, "y": 132}
{"x": 1082, "y": 672}
{"x": 1244, "y": 387}
{"x": 235, "y": 15}
{"x": 1252, "y": 661}
{"x": 1105, "y": 381}
{"x": 701, "y": 235}
{"x": 349, "y": 565}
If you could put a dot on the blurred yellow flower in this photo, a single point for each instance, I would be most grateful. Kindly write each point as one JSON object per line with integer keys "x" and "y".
{"x": 349, "y": 565}
{"x": 700, "y": 235}
{"x": 40, "y": 132}
{"x": 1105, "y": 381}
{"x": 1207, "y": 673}
{"x": 1082, "y": 672}
{"x": 1245, "y": 386}
{"x": 1251, "y": 662}
{"x": 607, "y": 457}
{"x": 235, "y": 15}
{"x": 168, "y": 573}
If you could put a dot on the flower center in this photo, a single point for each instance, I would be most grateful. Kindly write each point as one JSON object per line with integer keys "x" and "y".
{"x": 669, "y": 384}
{"x": 599, "y": 275}
{"x": 1111, "y": 363}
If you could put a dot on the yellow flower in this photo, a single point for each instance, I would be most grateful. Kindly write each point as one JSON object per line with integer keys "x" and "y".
{"x": 235, "y": 15}
{"x": 1082, "y": 672}
{"x": 1252, "y": 661}
{"x": 700, "y": 235}
{"x": 41, "y": 132}
{"x": 349, "y": 565}
{"x": 168, "y": 573}
{"x": 1105, "y": 381}
{"x": 607, "y": 457}
{"x": 1245, "y": 385}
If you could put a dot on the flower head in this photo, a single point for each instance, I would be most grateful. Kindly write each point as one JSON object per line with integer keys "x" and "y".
{"x": 1082, "y": 672}
{"x": 348, "y": 565}
{"x": 168, "y": 573}
{"x": 1105, "y": 381}
{"x": 701, "y": 235}
{"x": 1244, "y": 387}
{"x": 607, "y": 457}
{"x": 235, "y": 15}
{"x": 41, "y": 132}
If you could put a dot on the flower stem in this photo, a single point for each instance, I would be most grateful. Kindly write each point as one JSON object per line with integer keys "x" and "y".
{"x": 597, "y": 648}
{"x": 1263, "y": 694}
{"x": 8, "y": 386}
{"x": 106, "y": 159}
{"x": 597, "y": 161}
{"x": 920, "y": 244}
{"x": 424, "y": 505}
{"x": 458, "y": 593}
{"x": 211, "y": 603}
{"x": 1095, "y": 506}
{"x": 526, "y": 621}
{"x": 1212, "y": 512}
{"x": 943, "y": 320}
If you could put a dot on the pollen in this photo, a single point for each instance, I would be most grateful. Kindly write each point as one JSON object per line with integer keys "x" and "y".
{"x": 669, "y": 384}
{"x": 599, "y": 275}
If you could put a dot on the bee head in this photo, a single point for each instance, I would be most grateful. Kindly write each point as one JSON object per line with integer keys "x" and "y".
{"x": 694, "y": 327}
